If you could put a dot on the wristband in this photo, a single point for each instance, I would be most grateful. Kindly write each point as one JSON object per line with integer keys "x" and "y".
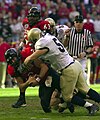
{"x": 38, "y": 79}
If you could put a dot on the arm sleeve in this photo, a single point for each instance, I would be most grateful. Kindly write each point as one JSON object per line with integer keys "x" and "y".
{"x": 10, "y": 70}
{"x": 40, "y": 44}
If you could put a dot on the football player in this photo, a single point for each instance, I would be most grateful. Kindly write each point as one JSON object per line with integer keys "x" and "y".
{"x": 35, "y": 73}
{"x": 50, "y": 48}
{"x": 58, "y": 30}
{"x": 32, "y": 20}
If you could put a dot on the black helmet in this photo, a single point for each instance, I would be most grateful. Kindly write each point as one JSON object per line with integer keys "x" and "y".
{"x": 12, "y": 57}
{"x": 33, "y": 15}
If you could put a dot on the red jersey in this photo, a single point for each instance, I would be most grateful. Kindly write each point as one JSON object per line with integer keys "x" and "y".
{"x": 31, "y": 69}
{"x": 95, "y": 51}
{"x": 42, "y": 25}
{"x": 28, "y": 50}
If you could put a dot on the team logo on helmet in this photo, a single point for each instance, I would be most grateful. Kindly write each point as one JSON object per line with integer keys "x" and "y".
{"x": 51, "y": 21}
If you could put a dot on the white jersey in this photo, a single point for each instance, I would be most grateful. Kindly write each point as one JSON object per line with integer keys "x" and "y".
{"x": 57, "y": 54}
{"x": 61, "y": 31}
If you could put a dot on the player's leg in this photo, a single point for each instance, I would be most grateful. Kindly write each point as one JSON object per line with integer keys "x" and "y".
{"x": 45, "y": 97}
{"x": 46, "y": 89}
{"x": 67, "y": 87}
{"x": 21, "y": 102}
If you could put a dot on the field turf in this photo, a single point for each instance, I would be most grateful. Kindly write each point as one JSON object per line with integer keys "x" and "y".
{"x": 33, "y": 111}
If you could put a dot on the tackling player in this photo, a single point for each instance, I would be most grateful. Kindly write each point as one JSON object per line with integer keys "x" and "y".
{"x": 50, "y": 48}
{"x": 34, "y": 20}
{"x": 58, "y": 30}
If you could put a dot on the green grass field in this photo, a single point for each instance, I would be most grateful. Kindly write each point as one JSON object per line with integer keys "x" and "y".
{"x": 33, "y": 111}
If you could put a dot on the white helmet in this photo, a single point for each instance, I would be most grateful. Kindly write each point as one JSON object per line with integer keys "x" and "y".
{"x": 51, "y": 21}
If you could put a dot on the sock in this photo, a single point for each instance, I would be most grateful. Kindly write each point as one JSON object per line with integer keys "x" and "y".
{"x": 94, "y": 95}
{"x": 87, "y": 104}
{"x": 61, "y": 100}
{"x": 81, "y": 95}
{"x": 22, "y": 95}
{"x": 78, "y": 101}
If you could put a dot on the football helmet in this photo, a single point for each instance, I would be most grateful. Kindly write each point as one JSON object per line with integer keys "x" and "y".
{"x": 51, "y": 21}
{"x": 34, "y": 34}
{"x": 12, "y": 57}
{"x": 52, "y": 25}
{"x": 33, "y": 16}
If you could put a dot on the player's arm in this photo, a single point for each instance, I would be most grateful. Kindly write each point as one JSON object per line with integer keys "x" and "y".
{"x": 66, "y": 38}
{"x": 35, "y": 55}
{"x": 22, "y": 85}
{"x": 43, "y": 67}
{"x": 39, "y": 78}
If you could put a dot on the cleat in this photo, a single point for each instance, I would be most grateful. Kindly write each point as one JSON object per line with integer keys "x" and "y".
{"x": 92, "y": 109}
{"x": 62, "y": 107}
{"x": 20, "y": 103}
{"x": 70, "y": 107}
{"x": 47, "y": 110}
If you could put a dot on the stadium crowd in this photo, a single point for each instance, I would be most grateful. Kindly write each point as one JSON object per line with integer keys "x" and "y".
{"x": 12, "y": 13}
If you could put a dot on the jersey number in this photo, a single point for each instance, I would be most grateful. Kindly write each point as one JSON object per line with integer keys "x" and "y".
{"x": 60, "y": 46}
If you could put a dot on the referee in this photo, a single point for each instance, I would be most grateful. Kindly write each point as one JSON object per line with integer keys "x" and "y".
{"x": 80, "y": 42}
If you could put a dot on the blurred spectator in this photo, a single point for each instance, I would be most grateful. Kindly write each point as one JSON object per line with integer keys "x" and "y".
{"x": 63, "y": 13}
{"x": 93, "y": 58}
{"x": 97, "y": 27}
{"x": 44, "y": 7}
{"x": 88, "y": 5}
{"x": 52, "y": 12}
{"x": 14, "y": 29}
{"x": 73, "y": 13}
{"x": 1, "y": 21}
{"x": 78, "y": 6}
{"x": 12, "y": 8}
{"x": 93, "y": 15}
{"x": 5, "y": 30}
{"x": 3, "y": 65}
{"x": 98, "y": 62}
{"x": 89, "y": 23}
{"x": 8, "y": 1}
{"x": 84, "y": 12}
{"x": 96, "y": 2}
{"x": 98, "y": 8}
{"x": 69, "y": 4}
{"x": 23, "y": 13}
{"x": 18, "y": 7}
